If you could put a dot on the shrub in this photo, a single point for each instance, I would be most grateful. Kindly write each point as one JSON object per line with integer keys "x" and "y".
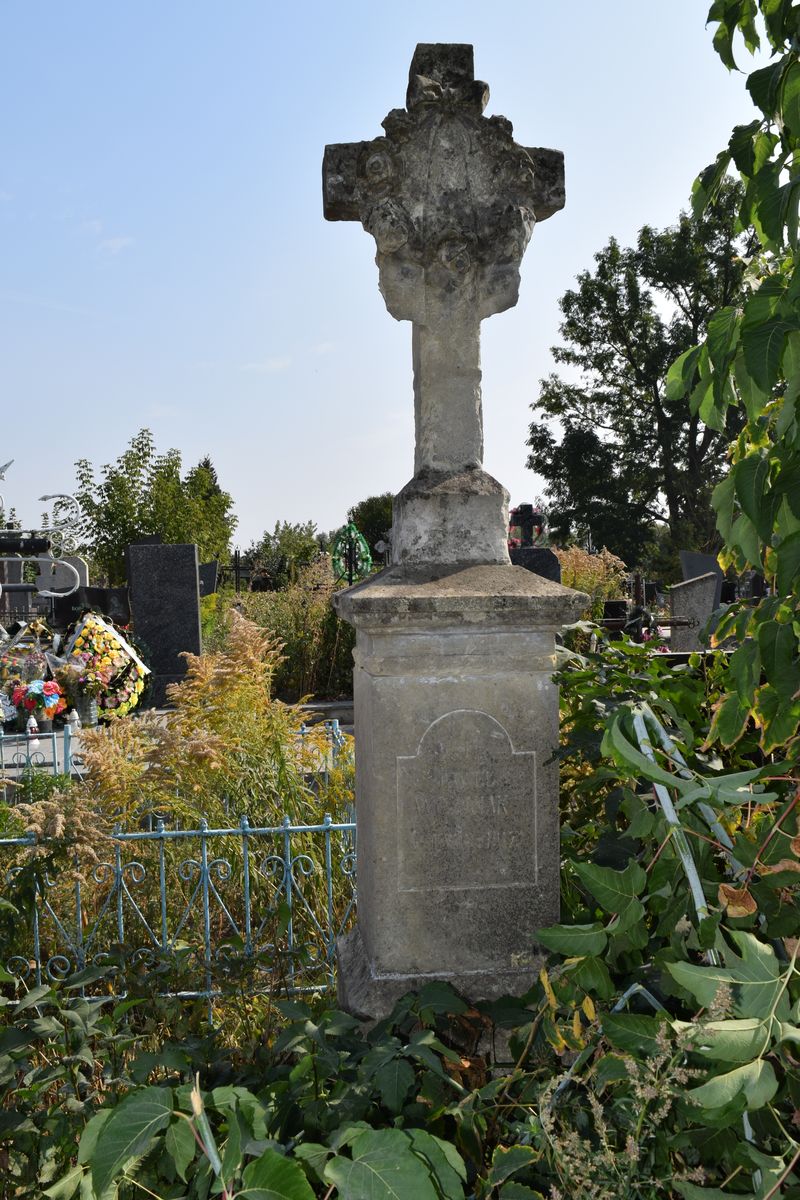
{"x": 316, "y": 646}
{"x": 602, "y": 576}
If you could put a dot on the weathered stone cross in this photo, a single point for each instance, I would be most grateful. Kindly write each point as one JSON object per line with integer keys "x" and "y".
{"x": 451, "y": 201}
{"x": 456, "y": 712}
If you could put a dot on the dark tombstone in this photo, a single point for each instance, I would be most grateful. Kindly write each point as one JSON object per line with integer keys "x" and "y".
{"x": 730, "y": 591}
{"x": 109, "y": 602}
{"x": 650, "y": 592}
{"x": 693, "y": 565}
{"x": 537, "y": 559}
{"x": 208, "y": 574}
{"x": 757, "y": 586}
{"x": 526, "y": 524}
{"x": 164, "y": 594}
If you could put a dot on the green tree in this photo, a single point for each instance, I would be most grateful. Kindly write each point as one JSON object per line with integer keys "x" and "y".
{"x": 143, "y": 494}
{"x": 281, "y": 554}
{"x": 372, "y": 518}
{"x": 749, "y": 365}
{"x": 630, "y": 457}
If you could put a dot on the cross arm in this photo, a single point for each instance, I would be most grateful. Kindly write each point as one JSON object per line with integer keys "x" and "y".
{"x": 548, "y": 169}
{"x": 340, "y": 181}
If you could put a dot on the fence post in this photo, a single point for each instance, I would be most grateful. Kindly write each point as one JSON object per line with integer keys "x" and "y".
{"x": 248, "y": 943}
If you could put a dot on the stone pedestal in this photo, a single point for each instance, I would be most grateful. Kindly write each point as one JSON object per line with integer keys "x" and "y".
{"x": 457, "y": 804}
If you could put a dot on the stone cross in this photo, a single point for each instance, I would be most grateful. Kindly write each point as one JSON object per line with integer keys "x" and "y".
{"x": 456, "y": 713}
{"x": 451, "y": 201}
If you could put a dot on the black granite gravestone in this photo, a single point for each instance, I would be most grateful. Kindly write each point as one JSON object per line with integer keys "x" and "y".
{"x": 537, "y": 559}
{"x": 165, "y": 609}
{"x": 209, "y": 573}
{"x": 109, "y": 602}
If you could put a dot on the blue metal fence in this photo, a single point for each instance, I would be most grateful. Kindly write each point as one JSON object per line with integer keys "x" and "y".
{"x": 262, "y": 906}
{"x": 53, "y": 752}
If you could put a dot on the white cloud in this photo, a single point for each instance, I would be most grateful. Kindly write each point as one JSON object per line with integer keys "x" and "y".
{"x": 114, "y": 245}
{"x": 269, "y": 366}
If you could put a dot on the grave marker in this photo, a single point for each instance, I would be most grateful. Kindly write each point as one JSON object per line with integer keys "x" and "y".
{"x": 455, "y": 710}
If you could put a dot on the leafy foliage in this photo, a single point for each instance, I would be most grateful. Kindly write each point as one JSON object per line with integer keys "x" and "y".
{"x": 601, "y": 576}
{"x": 748, "y": 369}
{"x": 631, "y": 456}
{"x": 373, "y": 518}
{"x": 143, "y": 495}
{"x": 316, "y": 646}
{"x": 279, "y": 556}
{"x": 225, "y": 745}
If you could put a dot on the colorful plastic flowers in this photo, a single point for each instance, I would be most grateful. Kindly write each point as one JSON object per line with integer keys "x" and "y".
{"x": 39, "y": 696}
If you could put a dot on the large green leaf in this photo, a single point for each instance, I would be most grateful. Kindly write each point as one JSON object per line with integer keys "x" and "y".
{"x": 128, "y": 1133}
{"x": 788, "y": 573}
{"x": 738, "y": 1040}
{"x": 442, "y": 1160}
{"x": 764, "y": 303}
{"x": 744, "y": 667}
{"x": 751, "y": 394}
{"x": 755, "y": 1081}
{"x": 383, "y": 1167}
{"x": 750, "y": 480}
{"x": 613, "y": 890}
{"x": 790, "y": 99}
{"x": 763, "y": 349}
{"x": 66, "y": 1187}
{"x": 507, "y": 1161}
{"x": 759, "y": 989}
{"x": 635, "y": 1033}
{"x": 722, "y": 337}
{"x": 743, "y": 535}
{"x": 729, "y": 720}
{"x": 778, "y": 646}
{"x": 616, "y": 745}
{"x": 778, "y": 716}
{"x": 574, "y": 940}
{"x": 722, "y": 499}
{"x": 593, "y": 975}
{"x": 394, "y": 1080}
{"x": 742, "y": 146}
{"x": 274, "y": 1177}
{"x": 764, "y": 87}
{"x": 180, "y": 1145}
{"x": 681, "y": 374}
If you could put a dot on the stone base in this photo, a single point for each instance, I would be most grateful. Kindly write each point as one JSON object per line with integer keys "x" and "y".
{"x": 370, "y": 996}
{"x": 456, "y": 717}
{"x": 450, "y": 517}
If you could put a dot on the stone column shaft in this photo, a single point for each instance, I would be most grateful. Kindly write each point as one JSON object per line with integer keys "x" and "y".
{"x": 447, "y": 395}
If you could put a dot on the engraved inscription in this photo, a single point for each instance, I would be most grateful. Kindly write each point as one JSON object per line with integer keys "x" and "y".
{"x": 466, "y": 808}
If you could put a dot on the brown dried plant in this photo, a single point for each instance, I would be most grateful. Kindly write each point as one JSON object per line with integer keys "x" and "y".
{"x": 602, "y": 576}
{"x": 227, "y": 747}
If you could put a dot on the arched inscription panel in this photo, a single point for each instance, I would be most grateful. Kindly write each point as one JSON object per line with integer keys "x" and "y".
{"x": 466, "y": 808}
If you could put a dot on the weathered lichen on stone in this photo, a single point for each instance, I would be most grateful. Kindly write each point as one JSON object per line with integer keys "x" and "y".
{"x": 456, "y": 711}
{"x": 448, "y": 195}
{"x": 451, "y": 201}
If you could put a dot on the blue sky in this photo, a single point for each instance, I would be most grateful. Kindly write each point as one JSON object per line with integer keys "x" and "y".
{"x": 164, "y": 261}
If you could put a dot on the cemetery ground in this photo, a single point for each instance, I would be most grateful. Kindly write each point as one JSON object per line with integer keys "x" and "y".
{"x": 653, "y": 1053}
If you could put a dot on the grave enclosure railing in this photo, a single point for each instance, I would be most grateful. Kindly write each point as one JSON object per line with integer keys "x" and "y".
{"x": 202, "y": 910}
